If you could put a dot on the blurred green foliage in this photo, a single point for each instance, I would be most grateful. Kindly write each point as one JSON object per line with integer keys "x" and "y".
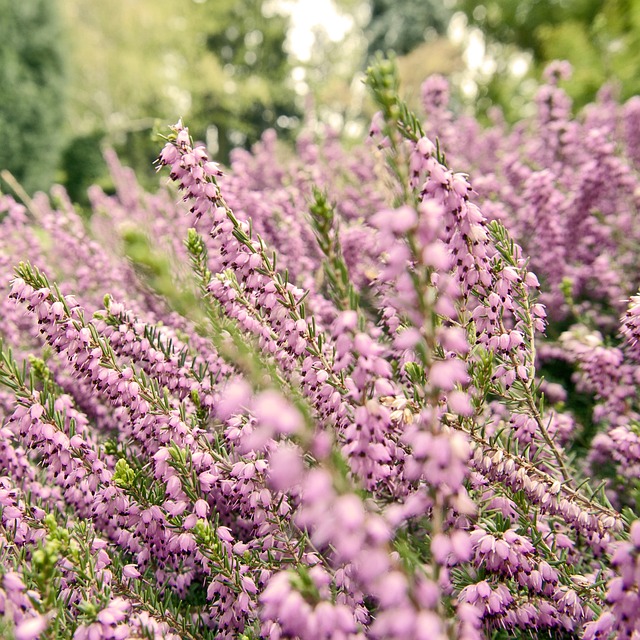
{"x": 256, "y": 70}
{"x": 520, "y": 22}
{"x": 112, "y": 73}
{"x": 138, "y": 66}
{"x": 157, "y": 269}
{"x": 601, "y": 39}
{"x": 32, "y": 90}
{"x": 83, "y": 165}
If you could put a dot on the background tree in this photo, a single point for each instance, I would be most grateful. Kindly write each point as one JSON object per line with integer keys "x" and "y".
{"x": 435, "y": 37}
{"x": 600, "y": 39}
{"x": 141, "y": 65}
{"x": 403, "y": 26}
{"x": 32, "y": 90}
{"x": 256, "y": 93}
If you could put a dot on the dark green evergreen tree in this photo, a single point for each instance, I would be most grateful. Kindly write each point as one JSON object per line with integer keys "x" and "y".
{"x": 402, "y": 26}
{"x": 32, "y": 90}
{"x": 250, "y": 47}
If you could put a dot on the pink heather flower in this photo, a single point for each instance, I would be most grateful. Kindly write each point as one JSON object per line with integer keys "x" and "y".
{"x": 391, "y": 589}
{"x": 224, "y": 533}
{"x": 275, "y": 416}
{"x": 437, "y": 255}
{"x": 169, "y": 155}
{"x": 185, "y": 542}
{"x": 130, "y": 571}
{"x": 286, "y": 468}
{"x": 407, "y": 338}
{"x": 600, "y": 628}
{"x": 435, "y": 93}
{"x": 428, "y": 625}
{"x": 631, "y": 324}
{"x": 345, "y": 321}
{"x": 13, "y": 582}
{"x": 440, "y": 547}
{"x": 36, "y": 411}
{"x": 349, "y": 511}
{"x": 201, "y": 508}
{"x": 234, "y": 399}
{"x": 445, "y": 374}
{"x": 398, "y": 221}
{"x": 453, "y": 339}
{"x": 459, "y": 403}
{"x": 558, "y": 70}
{"x": 372, "y": 564}
{"x": 248, "y": 584}
{"x": 553, "y": 392}
{"x": 425, "y": 147}
{"x": 31, "y": 628}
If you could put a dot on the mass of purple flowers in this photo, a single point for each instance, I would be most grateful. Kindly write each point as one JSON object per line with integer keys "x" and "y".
{"x": 368, "y": 392}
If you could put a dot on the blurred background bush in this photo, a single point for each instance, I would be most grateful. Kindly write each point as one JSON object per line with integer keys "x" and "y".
{"x": 76, "y": 74}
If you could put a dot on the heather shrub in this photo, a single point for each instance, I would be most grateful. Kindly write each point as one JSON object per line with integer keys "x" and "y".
{"x": 339, "y": 394}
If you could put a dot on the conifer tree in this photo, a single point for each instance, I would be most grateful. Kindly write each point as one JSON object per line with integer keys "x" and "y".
{"x": 32, "y": 90}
